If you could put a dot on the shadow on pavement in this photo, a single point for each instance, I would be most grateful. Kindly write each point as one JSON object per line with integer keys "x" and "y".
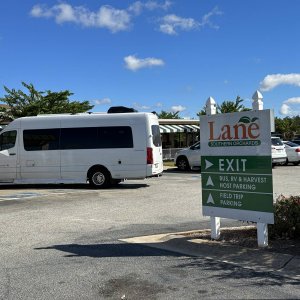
{"x": 176, "y": 170}
{"x": 125, "y": 185}
{"x": 236, "y": 262}
{"x": 109, "y": 250}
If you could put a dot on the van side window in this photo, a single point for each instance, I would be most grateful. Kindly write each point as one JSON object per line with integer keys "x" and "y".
{"x": 115, "y": 137}
{"x": 8, "y": 139}
{"x": 41, "y": 139}
{"x": 78, "y": 138}
{"x": 96, "y": 137}
{"x": 156, "y": 135}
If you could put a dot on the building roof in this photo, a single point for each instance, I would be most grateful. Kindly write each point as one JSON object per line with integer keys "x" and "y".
{"x": 178, "y": 122}
{"x": 178, "y": 125}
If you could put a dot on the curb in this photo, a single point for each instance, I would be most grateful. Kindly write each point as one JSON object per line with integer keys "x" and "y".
{"x": 257, "y": 260}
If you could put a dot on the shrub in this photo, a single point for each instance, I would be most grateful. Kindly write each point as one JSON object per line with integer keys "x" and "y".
{"x": 286, "y": 218}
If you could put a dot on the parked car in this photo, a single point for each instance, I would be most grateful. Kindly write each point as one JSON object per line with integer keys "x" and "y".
{"x": 296, "y": 141}
{"x": 188, "y": 158}
{"x": 278, "y": 151}
{"x": 293, "y": 152}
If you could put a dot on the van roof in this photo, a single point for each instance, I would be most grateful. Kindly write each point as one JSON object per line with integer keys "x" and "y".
{"x": 80, "y": 117}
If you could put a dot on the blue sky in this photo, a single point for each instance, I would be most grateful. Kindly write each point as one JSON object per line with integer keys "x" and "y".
{"x": 155, "y": 55}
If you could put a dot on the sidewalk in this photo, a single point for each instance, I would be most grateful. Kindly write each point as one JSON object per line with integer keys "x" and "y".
{"x": 259, "y": 260}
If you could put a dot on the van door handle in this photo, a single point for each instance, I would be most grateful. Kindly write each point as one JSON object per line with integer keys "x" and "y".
{"x": 12, "y": 154}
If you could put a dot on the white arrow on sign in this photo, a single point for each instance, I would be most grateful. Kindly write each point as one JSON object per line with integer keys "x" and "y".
{"x": 208, "y": 164}
{"x": 210, "y": 199}
{"x": 209, "y": 182}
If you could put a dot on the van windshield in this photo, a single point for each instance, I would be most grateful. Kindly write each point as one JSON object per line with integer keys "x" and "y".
{"x": 156, "y": 135}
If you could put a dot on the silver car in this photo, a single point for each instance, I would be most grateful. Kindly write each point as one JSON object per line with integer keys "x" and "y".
{"x": 188, "y": 158}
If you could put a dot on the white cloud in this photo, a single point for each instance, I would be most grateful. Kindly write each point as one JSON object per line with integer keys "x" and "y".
{"x": 285, "y": 109}
{"x": 138, "y": 6}
{"x": 40, "y": 11}
{"x": 206, "y": 19}
{"x": 294, "y": 100}
{"x": 65, "y": 13}
{"x": 103, "y": 101}
{"x": 121, "y": 19}
{"x": 113, "y": 19}
{"x": 274, "y": 80}
{"x": 106, "y": 17}
{"x": 171, "y": 24}
{"x": 151, "y": 5}
{"x": 133, "y": 63}
{"x": 158, "y": 104}
{"x": 290, "y": 107}
{"x": 177, "y": 108}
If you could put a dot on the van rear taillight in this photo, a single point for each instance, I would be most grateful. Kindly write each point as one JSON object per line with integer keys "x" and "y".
{"x": 149, "y": 156}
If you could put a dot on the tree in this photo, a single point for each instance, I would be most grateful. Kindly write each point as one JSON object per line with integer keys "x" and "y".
{"x": 168, "y": 115}
{"x": 202, "y": 112}
{"x": 20, "y": 104}
{"x": 288, "y": 127}
{"x": 232, "y": 106}
{"x": 227, "y": 107}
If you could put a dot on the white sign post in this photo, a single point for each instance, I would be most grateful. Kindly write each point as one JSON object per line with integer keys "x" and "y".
{"x": 215, "y": 224}
{"x": 237, "y": 168}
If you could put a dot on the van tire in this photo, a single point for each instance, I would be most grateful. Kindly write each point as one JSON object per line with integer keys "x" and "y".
{"x": 99, "y": 178}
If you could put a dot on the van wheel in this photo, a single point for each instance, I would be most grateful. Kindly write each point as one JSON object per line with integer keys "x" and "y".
{"x": 99, "y": 178}
{"x": 183, "y": 164}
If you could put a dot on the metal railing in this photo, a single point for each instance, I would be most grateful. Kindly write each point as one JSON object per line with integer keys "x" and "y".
{"x": 169, "y": 153}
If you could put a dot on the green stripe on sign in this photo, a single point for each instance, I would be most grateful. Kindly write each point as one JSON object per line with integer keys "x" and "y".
{"x": 238, "y": 182}
{"x": 234, "y": 143}
{"x": 236, "y": 164}
{"x": 238, "y": 200}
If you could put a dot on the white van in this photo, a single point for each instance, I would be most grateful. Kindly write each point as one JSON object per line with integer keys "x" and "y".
{"x": 101, "y": 149}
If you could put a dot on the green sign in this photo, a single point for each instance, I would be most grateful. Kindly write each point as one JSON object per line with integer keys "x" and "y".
{"x": 236, "y": 166}
{"x": 237, "y": 182}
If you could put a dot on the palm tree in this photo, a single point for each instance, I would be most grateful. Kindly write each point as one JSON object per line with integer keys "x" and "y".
{"x": 168, "y": 115}
{"x": 232, "y": 106}
{"x": 227, "y": 107}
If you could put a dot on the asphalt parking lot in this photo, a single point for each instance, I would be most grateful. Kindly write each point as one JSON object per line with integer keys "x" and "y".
{"x": 285, "y": 181}
{"x": 66, "y": 242}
